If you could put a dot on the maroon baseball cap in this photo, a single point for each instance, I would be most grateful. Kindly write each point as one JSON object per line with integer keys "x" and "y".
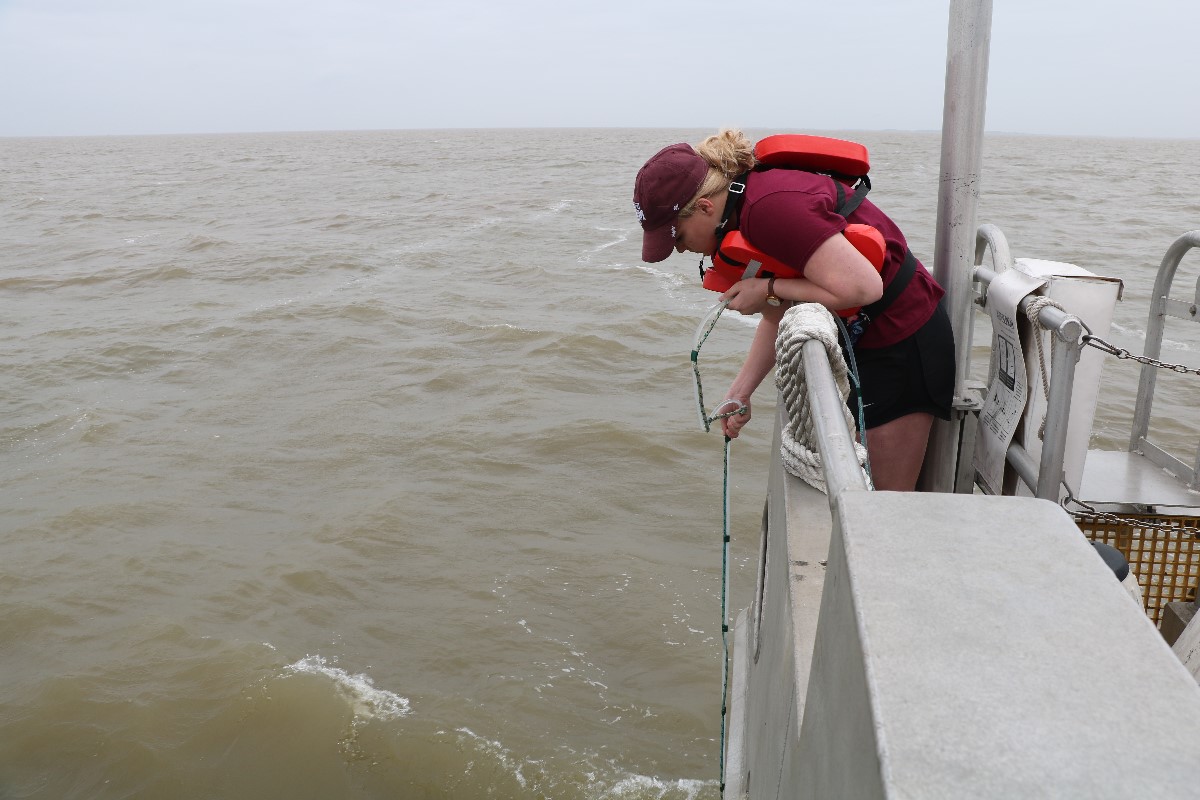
{"x": 664, "y": 185}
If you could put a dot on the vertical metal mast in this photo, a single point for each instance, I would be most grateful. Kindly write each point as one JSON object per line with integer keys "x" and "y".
{"x": 967, "y": 50}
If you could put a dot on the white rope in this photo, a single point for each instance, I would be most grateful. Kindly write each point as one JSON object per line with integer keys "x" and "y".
{"x": 1036, "y": 304}
{"x": 799, "y": 448}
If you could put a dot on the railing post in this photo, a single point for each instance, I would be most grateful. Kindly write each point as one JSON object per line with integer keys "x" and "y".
{"x": 963, "y": 109}
{"x": 1067, "y": 344}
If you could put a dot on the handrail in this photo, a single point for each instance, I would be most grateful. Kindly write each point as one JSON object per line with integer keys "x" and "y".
{"x": 1161, "y": 306}
{"x": 835, "y": 443}
{"x": 989, "y": 236}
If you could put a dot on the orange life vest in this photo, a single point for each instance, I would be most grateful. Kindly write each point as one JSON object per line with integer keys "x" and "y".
{"x": 845, "y": 162}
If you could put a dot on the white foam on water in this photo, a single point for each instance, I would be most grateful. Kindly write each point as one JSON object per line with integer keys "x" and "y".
{"x": 680, "y": 288}
{"x": 622, "y": 237}
{"x": 557, "y": 208}
{"x": 360, "y": 692}
{"x": 531, "y": 774}
{"x": 485, "y": 222}
{"x": 1133, "y": 339}
{"x": 643, "y": 786}
{"x": 501, "y": 754}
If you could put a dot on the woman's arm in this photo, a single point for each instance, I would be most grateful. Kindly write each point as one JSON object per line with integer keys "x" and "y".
{"x": 758, "y": 364}
{"x": 837, "y": 276}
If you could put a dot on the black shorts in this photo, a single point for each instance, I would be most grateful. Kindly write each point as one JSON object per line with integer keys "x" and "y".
{"x": 913, "y": 375}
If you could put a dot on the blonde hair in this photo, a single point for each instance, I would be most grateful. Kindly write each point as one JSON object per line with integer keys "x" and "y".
{"x": 728, "y": 154}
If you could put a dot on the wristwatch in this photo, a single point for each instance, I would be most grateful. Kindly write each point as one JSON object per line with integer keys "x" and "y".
{"x": 772, "y": 300}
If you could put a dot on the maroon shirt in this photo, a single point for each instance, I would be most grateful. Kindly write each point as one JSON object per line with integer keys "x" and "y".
{"x": 789, "y": 213}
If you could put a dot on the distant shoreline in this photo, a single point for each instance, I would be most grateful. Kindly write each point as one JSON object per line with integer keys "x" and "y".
{"x": 576, "y": 129}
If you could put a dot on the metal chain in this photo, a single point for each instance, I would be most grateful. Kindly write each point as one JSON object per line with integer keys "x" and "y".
{"x": 1105, "y": 516}
{"x": 1122, "y": 353}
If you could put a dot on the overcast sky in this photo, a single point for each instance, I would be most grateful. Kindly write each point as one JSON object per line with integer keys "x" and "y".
{"x": 82, "y": 67}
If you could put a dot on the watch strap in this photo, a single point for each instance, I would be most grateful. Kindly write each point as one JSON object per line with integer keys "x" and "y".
{"x": 771, "y": 292}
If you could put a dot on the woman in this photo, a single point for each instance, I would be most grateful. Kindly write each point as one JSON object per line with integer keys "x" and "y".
{"x": 905, "y": 356}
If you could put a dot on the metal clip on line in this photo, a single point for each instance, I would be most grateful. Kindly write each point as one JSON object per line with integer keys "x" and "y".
{"x": 741, "y": 409}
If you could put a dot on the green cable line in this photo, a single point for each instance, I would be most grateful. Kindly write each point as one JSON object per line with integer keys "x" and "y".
{"x": 854, "y": 379}
{"x": 725, "y": 617}
{"x": 706, "y": 327}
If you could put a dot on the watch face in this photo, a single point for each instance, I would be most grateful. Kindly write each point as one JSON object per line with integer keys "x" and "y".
{"x": 772, "y": 301}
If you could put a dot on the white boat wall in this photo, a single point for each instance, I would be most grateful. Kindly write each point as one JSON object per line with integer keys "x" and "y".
{"x": 968, "y": 641}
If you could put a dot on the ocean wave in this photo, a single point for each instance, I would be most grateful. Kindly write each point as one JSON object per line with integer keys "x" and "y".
{"x": 1133, "y": 339}
{"x": 600, "y": 782}
{"x": 644, "y": 786}
{"x": 365, "y": 699}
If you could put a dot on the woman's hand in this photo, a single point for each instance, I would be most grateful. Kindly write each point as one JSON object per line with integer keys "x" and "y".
{"x": 837, "y": 276}
{"x": 747, "y": 296}
{"x": 732, "y": 425}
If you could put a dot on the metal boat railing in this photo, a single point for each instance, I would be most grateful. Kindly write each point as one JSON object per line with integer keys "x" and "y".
{"x": 848, "y": 663}
{"x": 1069, "y": 336}
{"x": 1043, "y": 476}
{"x": 1161, "y": 307}
{"x": 836, "y": 443}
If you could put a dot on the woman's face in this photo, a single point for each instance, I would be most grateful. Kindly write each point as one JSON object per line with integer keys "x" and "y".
{"x": 697, "y": 233}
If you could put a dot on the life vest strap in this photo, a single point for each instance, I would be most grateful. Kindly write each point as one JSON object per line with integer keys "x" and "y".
{"x": 907, "y": 269}
{"x": 733, "y": 201}
{"x": 847, "y": 205}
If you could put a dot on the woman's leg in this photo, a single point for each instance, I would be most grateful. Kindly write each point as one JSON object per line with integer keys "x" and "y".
{"x": 898, "y": 450}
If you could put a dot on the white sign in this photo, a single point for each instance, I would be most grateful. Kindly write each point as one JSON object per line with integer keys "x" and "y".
{"x": 1008, "y": 383}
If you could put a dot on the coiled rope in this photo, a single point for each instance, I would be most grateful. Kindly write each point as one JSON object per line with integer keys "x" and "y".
{"x": 799, "y": 441}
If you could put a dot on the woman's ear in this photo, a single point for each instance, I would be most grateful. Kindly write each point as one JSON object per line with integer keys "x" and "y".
{"x": 705, "y": 206}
